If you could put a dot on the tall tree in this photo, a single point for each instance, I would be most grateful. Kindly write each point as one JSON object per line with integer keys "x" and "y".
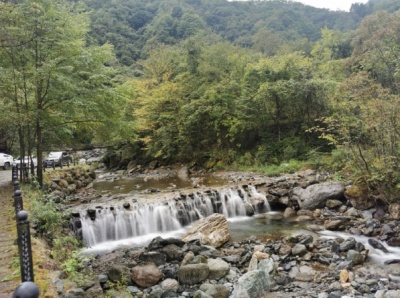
{"x": 54, "y": 76}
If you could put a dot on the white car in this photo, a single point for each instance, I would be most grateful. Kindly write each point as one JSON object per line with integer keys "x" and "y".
{"x": 25, "y": 162}
{"x": 6, "y": 161}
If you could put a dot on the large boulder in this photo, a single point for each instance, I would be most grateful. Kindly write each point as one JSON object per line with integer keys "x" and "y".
{"x": 253, "y": 284}
{"x": 146, "y": 275}
{"x": 212, "y": 230}
{"x": 316, "y": 195}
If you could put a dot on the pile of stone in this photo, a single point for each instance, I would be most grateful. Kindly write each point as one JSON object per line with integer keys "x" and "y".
{"x": 66, "y": 183}
{"x": 204, "y": 263}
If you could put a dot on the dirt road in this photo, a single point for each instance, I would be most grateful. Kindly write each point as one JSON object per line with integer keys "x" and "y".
{"x": 8, "y": 281}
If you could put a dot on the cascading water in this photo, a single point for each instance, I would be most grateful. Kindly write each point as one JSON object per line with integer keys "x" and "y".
{"x": 114, "y": 223}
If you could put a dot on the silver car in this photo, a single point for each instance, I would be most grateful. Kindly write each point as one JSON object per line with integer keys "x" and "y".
{"x": 26, "y": 162}
{"x": 58, "y": 158}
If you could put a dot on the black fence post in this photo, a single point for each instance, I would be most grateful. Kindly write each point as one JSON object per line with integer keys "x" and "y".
{"x": 16, "y": 185}
{"x": 14, "y": 174}
{"x": 24, "y": 246}
{"x": 27, "y": 289}
{"x": 18, "y": 204}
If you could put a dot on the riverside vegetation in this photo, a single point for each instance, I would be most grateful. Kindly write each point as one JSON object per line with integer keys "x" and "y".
{"x": 213, "y": 84}
{"x": 296, "y": 264}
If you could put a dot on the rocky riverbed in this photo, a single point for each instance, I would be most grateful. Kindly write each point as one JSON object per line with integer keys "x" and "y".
{"x": 206, "y": 263}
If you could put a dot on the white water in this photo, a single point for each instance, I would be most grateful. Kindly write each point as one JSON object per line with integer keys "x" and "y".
{"x": 375, "y": 255}
{"x": 140, "y": 222}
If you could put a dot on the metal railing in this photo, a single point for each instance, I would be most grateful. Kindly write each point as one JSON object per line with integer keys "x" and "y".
{"x": 27, "y": 289}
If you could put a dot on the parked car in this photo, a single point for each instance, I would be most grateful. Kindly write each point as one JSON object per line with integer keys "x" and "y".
{"x": 26, "y": 161}
{"x": 6, "y": 161}
{"x": 58, "y": 158}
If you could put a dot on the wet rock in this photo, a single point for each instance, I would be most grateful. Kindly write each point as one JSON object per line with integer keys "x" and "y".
{"x": 193, "y": 273}
{"x": 249, "y": 209}
{"x": 289, "y": 212}
{"x": 146, "y": 275}
{"x": 395, "y": 241}
{"x": 377, "y": 245}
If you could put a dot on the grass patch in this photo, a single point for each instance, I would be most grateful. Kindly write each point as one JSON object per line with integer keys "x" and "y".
{"x": 273, "y": 170}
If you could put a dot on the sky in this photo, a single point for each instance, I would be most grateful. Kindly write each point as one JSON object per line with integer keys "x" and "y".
{"x": 332, "y": 4}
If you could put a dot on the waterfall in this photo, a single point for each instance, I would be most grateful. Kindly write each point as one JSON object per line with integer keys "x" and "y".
{"x": 122, "y": 222}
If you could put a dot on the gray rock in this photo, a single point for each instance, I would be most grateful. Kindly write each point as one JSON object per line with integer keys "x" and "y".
{"x": 115, "y": 273}
{"x": 348, "y": 244}
{"x": 267, "y": 265}
{"x": 193, "y": 273}
{"x": 253, "y": 284}
{"x": 218, "y": 268}
{"x": 170, "y": 284}
{"x": 392, "y": 294}
{"x": 153, "y": 257}
{"x": 289, "y": 212}
{"x": 316, "y": 195}
{"x": 75, "y": 293}
{"x": 215, "y": 290}
{"x": 354, "y": 256}
{"x": 172, "y": 252}
{"x": 95, "y": 291}
{"x": 332, "y": 204}
{"x": 201, "y": 294}
{"x": 299, "y": 250}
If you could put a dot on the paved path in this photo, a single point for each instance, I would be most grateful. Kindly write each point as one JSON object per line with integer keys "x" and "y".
{"x": 7, "y": 236}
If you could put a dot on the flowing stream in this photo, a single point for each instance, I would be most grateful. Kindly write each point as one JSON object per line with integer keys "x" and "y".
{"x": 129, "y": 223}
{"x": 135, "y": 224}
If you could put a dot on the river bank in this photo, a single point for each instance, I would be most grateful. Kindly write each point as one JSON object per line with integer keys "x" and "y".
{"x": 295, "y": 265}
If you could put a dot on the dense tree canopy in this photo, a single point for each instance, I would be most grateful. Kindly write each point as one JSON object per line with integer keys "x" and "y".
{"x": 209, "y": 82}
{"x": 52, "y": 85}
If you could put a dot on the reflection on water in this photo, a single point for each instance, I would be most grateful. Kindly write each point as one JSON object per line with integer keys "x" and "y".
{"x": 271, "y": 226}
{"x": 118, "y": 185}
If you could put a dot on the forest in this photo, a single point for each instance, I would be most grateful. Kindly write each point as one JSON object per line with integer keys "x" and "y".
{"x": 210, "y": 83}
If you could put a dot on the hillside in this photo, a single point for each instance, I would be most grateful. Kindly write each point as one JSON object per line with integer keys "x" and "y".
{"x": 134, "y": 26}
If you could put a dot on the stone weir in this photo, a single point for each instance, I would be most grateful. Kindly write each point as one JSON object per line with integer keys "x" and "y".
{"x": 132, "y": 218}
